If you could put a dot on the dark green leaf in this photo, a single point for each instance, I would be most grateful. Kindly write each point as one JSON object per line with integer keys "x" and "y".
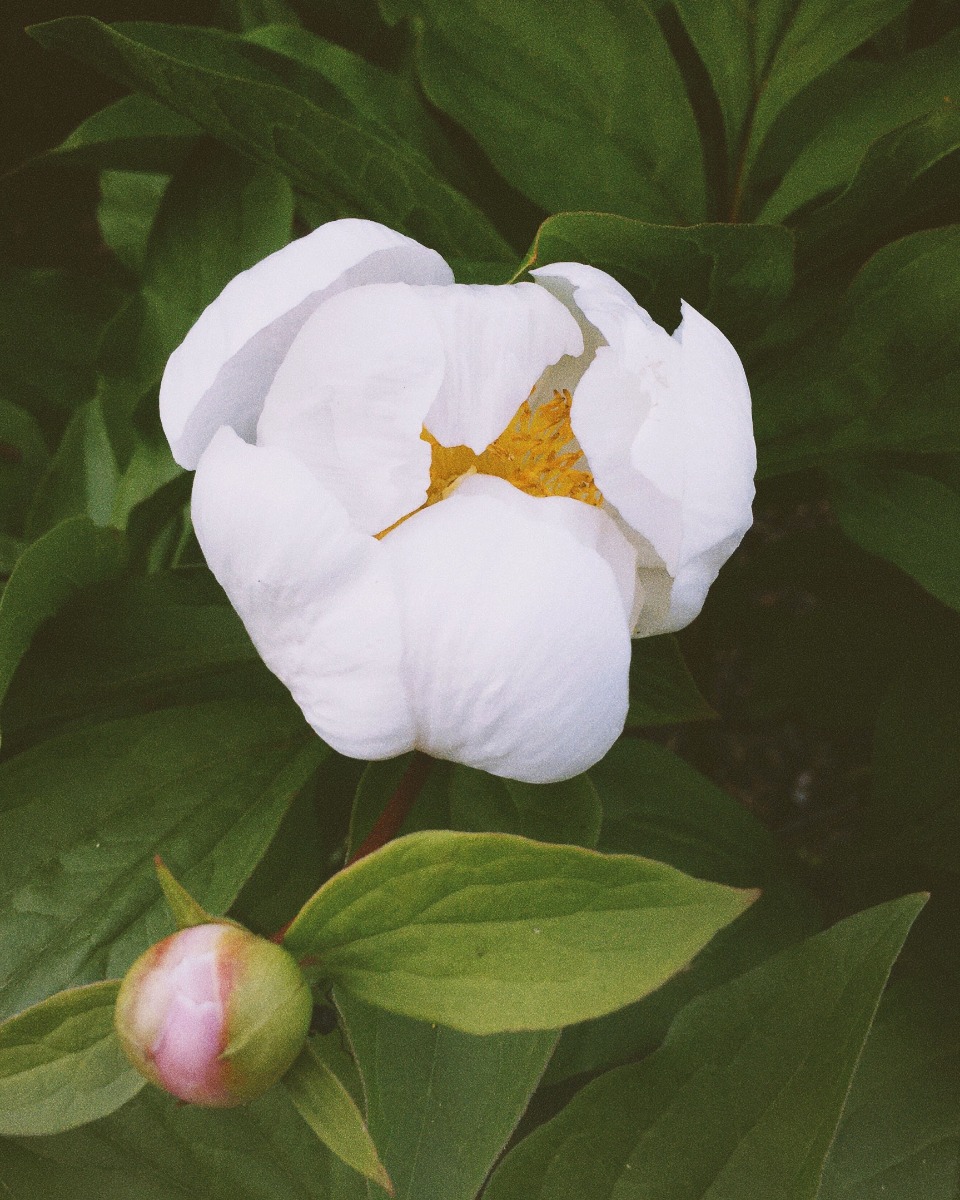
{"x": 878, "y": 99}
{"x": 578, "y": 106}
{"x": 81, "y": 480}
{"x": 456, "y": 797}
{"x": 23, "y": 460}
{"x": 490, "y": 932}
{"x": 46, "y": 576}
{"x": 441, "y": 1104}
{"x": 761, "y": 54}
{"x": 745, "y": 1095}
{"x": 217, "y": 81}
{"x": 662, "y": 690}
{"x": 133, "y": 134}
{"x": 61, "y": 1064}
{"x": 328, "y": 1108}
{"x": 128, "y": 206}
{"x": 900, "y": 1134}
{"x": 733, "y": 274}
{"x": 135, "y": 646}
{"x": 657, "y": 806}
{"x": 910, "y": 520}
{"x": 154, "y": 1149}
{"x": 84, "y": 814}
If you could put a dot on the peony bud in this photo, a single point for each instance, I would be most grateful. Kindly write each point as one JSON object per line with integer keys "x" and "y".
{"x": 213, "y": 1014}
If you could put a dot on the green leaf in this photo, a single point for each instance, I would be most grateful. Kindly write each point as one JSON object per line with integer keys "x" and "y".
{"x": 457, "y": 797}
{"x": 46, "y": 576}
{"x": 733, "y": 274}
{"x": 658, "y": 806}
{"x": 82, "y": 477}
{"x": 221, "y": 83}
{"x": 877, "y": 99}
{"x": 51, "y": 323}
{"x": 186, "y": 912}
{"x": 477, "y": 932}
{"x": 441, "y": 1103}
{"x": 82, "y": 816}
{"x": 745, "y": 1095}
{"x": 662, "y": 690}
{"x": 251, "y": 14}
{"x": 530, "y": 82}
{"x": 762, "y": 54}
{"x": 132, "y": 134}
{"x": 23, "y": 461}
{"x": 134, "y": 646}
{"x": 154, "y": 1149}
{"x": 884, "y": 190}
{"x": 128, "y": 206}
{"x": 61, "y": 1064}
{"x": 900, "y": 1134}
{"x": 913, "y": 521}
{"x": 328, "y": 1108}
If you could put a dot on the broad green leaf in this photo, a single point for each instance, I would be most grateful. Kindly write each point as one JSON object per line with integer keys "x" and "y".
{"x": 219, "y": 82}
{"x": 883, "y": 190}
{"x": 911, "y": 520}
{"x": 82, "y": 816}
{"x": 579, "y": 106}
{"x": 155, "y": 1149}
{"x": 733, "y": 274}
{"x": 133, "y": 646}
{"x": 328, "y": 1108}
{"x": 441, "y": 1103}
{"x": 46, "y": 576}
{"x": 880, "y": 98}
{"x": 251, "y": 14}
{"x": 491, "y": 932}
{"x": 23, "y": 461}
{"x": 128, "y": 206}
{"x": 900, "y": 1134}
{"x": 51, "y": 323}
{"x": 662, "y": 690}
{"x": 763, "y": 53}
{"x": 132, "y": 134}
{"x": 744, "y": 1096}
{"x": 657, "y": 806}
{"x": 457, "y": 797}
{"x": 61, "y": 1064}
{"x": 82, "y": 477}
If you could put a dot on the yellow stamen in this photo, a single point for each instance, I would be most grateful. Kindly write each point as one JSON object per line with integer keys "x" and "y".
{"x": 536, "y": 452}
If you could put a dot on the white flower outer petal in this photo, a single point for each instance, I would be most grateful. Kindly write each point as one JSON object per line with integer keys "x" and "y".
{"x": 498, "y": 340}
{"x": 314, "y": 593}
{"x": 517, "y": 647}
{"x": 350, "y": 398}
{"x": 665, "y": 425}
{"x": 221, "y": 372}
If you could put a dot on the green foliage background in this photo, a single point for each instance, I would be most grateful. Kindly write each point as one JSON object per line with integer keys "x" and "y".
{"x": 790, "y": 167}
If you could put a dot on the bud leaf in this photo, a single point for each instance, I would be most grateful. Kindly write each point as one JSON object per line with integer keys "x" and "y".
{"x": 186, "y": 911}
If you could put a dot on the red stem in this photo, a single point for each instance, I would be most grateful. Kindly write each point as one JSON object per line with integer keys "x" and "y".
{"x": 398, "y": 806}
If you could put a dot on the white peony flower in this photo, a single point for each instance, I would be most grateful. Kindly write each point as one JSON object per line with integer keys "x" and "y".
{"x": 440, "y": 509}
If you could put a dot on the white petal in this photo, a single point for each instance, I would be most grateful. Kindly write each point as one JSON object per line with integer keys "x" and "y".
{"x": 498, "y": 339}
{"x": 516, "y": 639}
{"x": 351, "y": 397}
{"x": 221, "y": 372}
{"x": 665, "y": 425}
{"x": 315, "y": 595}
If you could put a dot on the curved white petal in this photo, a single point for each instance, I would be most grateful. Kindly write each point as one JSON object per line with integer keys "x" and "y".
{"x": 351, "y": 396}
{"x": 517, "y": 647}
{"x": 221, "y": 372}
{"x": 315, "y": 595}
{"x": 665, "y": 425}
{"x": 498, "y": 340}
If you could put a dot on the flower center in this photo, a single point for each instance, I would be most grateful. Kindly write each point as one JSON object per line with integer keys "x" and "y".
{"x": 536, "y": 452}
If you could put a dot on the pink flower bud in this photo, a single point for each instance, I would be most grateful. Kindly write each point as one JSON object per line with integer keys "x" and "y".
{"x": 213, "y": 1014}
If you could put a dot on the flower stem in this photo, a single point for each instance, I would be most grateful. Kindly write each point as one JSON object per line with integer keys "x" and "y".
{"x": 393, "y": 816}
